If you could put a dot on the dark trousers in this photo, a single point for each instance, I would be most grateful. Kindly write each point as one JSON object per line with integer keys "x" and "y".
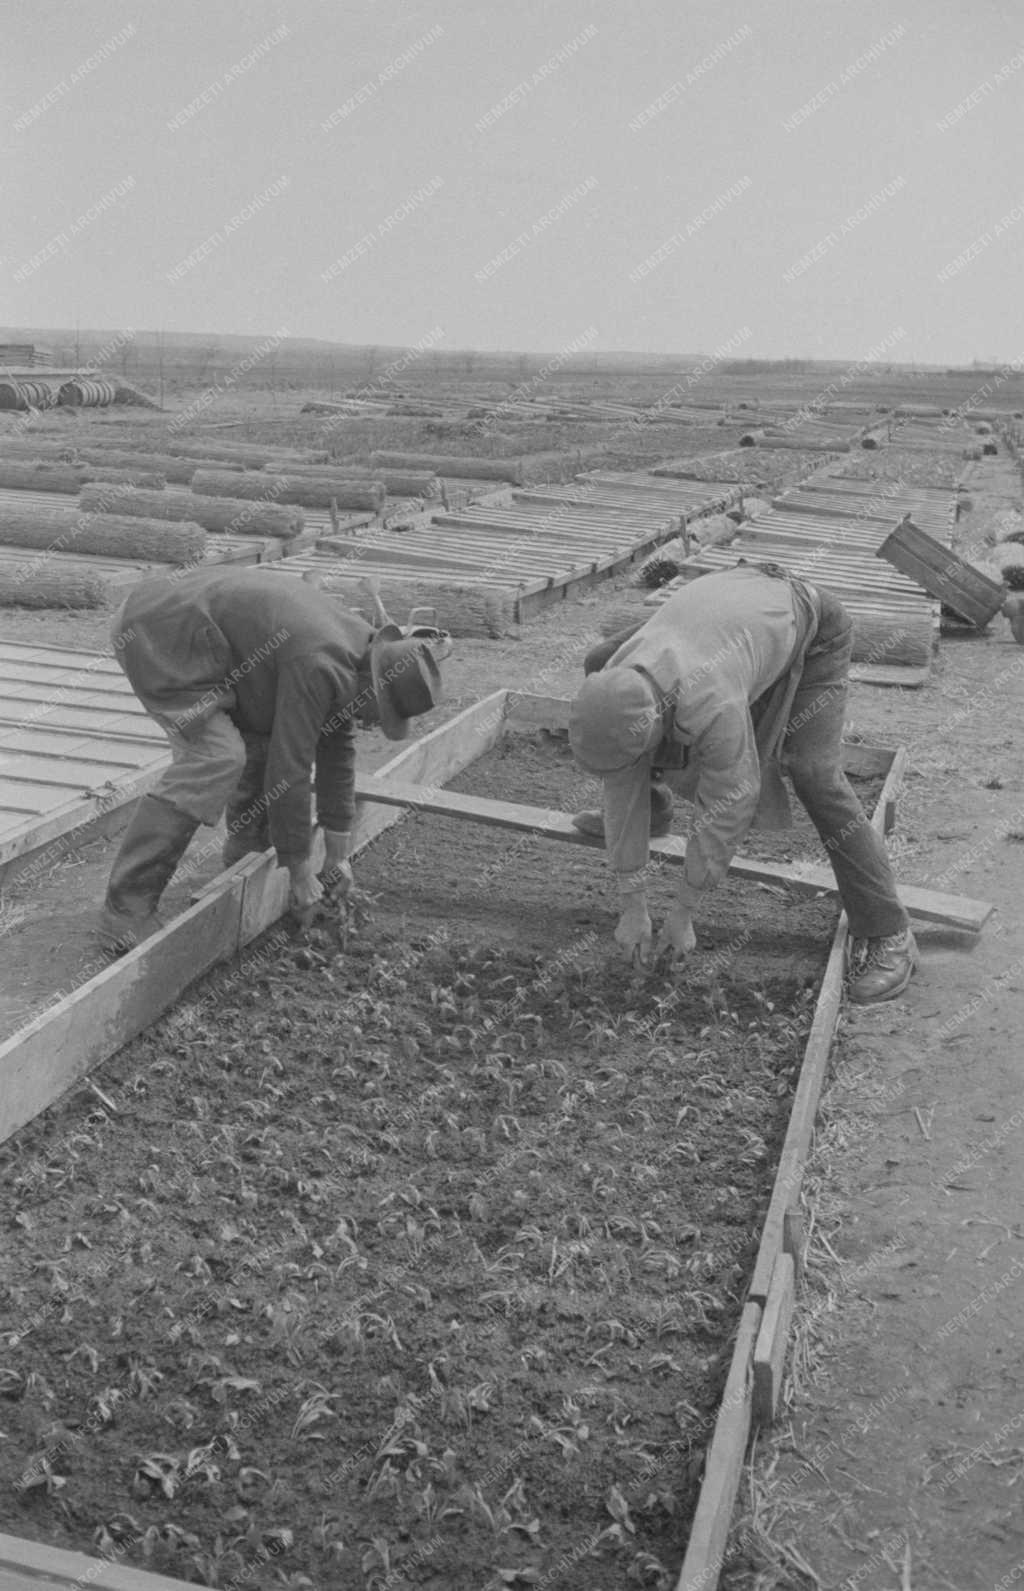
{"x": 812, "y": 755}
{"x": 248, "y": 828}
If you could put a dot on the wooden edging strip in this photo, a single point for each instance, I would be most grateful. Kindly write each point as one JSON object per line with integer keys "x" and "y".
{"x": 705, "y": 1550}
{"x": 33, "y": 1566}
{"x": 780, "y": 1235}
{"x": 773, "y": 1339}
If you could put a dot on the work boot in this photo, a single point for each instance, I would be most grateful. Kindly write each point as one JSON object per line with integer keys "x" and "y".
{"x": 882, "y": 968}
{"x": 153, "y": 845}
{"x": 592, "y": 822}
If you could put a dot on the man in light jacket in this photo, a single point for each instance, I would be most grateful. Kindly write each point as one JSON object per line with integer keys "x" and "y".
{"x": 734, "y": 672}
{"x": 254, "y": 677}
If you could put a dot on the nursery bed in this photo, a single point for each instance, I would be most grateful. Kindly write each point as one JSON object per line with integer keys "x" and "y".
{"x": 418, "y": 1257}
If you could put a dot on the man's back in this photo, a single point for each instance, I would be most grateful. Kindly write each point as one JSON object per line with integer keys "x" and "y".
{"x": 725, "y": 638}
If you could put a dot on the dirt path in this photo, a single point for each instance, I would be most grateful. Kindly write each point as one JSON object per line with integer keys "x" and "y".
{"x": 902, "y": 1460}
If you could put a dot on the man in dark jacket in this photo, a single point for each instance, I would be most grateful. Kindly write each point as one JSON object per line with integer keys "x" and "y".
{"x": 255, "y": 677}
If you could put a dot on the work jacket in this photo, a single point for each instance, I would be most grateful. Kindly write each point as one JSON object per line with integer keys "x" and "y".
{"x": 725, "y": 654}
{"x": 281, "y": 658}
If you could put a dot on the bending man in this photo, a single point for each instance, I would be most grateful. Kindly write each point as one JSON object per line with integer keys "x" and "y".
{"x": 255, "y": 677}
{"x": 734, "y": 672}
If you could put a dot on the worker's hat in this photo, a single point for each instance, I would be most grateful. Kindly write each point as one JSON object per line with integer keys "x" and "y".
{"x": 615, "y": 720}
{"x": 406, "y": 679}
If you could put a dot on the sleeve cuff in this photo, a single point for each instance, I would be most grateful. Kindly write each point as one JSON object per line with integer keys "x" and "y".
{"x": 633, "y": 883}
{"x": 689, "y": 897}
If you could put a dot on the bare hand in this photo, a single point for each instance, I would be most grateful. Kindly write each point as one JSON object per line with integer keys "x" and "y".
{"x": 338, "y": 883}
{"x": 306, "y": 892}
{"x": 677, "y": 937}
{"x": 634, "y": 933}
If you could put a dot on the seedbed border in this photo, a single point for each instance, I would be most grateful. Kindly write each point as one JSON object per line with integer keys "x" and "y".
{"x": 78, "y": 1033}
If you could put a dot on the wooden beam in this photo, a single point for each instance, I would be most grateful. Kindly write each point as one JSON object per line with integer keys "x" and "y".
{"x": 952, "y": 911}
{"x": 709, "y": 1533}
{"x": 772, "y": 1341}
{"x": 45, "y": 1058}
{"x": 33, "y": 1566}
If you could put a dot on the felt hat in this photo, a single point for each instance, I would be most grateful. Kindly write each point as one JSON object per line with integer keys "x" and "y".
{"x": 615, "y": 720}
{"x": 406, "y": 679}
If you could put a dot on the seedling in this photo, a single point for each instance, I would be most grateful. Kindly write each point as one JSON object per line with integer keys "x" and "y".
{"x": 316, "y": 1407}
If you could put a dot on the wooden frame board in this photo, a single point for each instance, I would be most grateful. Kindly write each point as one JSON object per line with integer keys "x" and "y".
{"x": 39, "y": 1063}
{"x": 75, "y": 745}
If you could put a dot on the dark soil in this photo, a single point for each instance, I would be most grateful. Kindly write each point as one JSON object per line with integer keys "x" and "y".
{"x": 409, "y": 1255}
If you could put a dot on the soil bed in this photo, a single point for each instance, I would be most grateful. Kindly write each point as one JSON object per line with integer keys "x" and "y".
{"x": 410, "y": 1257}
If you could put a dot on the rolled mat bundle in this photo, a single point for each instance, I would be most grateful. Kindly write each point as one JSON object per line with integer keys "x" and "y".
{"x": 28, "y": 445}
{"x": 399, "y": 483}
{"x": 462, "y": 469}
{"x": 179, "y": 470}
{"x": 251, "y": 455}
{"x": 57, "y": 531}
{"x": 42, "y": 583}
{"x": 231, "y": 516}
{"x": 24, "y": 476}
{"x": 805, "y": 444}
{"x": 29, "y": 477}
{"x": 464, "y": 611}
{"x": 145, "y": 480}
{"x": 310, "y": 491}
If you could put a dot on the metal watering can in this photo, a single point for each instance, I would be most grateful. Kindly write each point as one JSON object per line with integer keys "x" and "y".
{"x": 422, "y": 626}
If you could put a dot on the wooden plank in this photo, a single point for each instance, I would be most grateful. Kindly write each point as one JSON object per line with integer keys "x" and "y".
{"x": 902, "y": 677}
{"x": 35, "y": 831}
{"x": 952, "y": 911}
{"x": 33, "y": 1566}
{"x": 709, "y": 1533}
{"x": 793, "y": 1240}
{"x": 45, "y": 1058}
{"x": 772, "y": 1341}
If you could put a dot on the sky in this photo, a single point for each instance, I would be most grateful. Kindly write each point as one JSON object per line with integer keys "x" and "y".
{"x": 811, "y": 178}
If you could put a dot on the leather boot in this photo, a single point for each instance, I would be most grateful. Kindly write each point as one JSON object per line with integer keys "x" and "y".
{"x": 248, "y": 830}
{"x": 662, "y": 807}
{"x": 153, "y": 845}
{"x": 882, "y": 968}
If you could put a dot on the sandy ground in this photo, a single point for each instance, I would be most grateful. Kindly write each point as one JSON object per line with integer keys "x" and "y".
{"x": 909, "y": 1355}
{"x": 899, "y": 1461}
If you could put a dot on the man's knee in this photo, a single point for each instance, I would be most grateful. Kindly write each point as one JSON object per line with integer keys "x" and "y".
{"x": 814, "y": 774}
{"x": 206, "y": 769}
